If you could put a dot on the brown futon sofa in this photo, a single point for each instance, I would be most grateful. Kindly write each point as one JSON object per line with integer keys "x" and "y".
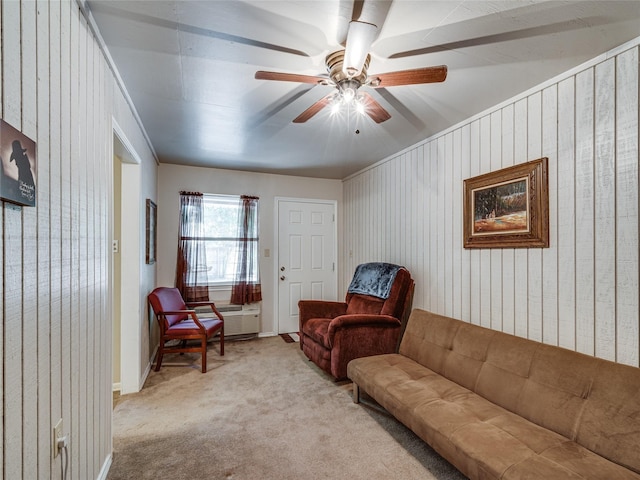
{"x": 499, "y": 406}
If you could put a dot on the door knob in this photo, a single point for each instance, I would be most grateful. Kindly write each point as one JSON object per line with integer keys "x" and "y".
{"x": 282, "y": 277}
{"x": 282, "y": 269}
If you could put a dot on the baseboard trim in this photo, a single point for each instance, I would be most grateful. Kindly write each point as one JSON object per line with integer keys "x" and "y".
{"x": 267, "y": 334}
{"x": 105, "y": 468}
{"x": 116, "y": 387}
{"x": 147, "y": 370}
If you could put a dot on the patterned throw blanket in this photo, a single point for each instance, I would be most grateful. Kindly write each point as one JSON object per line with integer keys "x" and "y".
{"x": 375, "y": 279}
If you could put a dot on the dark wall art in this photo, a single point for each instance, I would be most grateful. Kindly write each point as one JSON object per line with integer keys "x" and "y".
{"x": 18, "y": 163}
{"x": 508, "y": 208}
{"x": 151, "y": 232}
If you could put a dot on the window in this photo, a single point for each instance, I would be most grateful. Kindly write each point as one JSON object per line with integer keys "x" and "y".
{"x": 221, "y": 216}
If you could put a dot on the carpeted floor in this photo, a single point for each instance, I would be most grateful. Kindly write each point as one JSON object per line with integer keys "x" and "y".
{"x": 261, "y": 412}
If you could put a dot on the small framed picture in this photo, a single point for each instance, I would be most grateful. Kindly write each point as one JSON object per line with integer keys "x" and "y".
{"x": 508, "y": 208}
{"x": 151, "y": 233}
{"x": 18, "y": 163}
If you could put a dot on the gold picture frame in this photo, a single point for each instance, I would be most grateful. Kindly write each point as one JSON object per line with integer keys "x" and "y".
{"x": 508, "y": 208}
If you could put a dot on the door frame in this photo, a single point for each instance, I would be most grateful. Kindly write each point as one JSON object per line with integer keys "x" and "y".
{"x": 276, "y": 256}
{"x": 130, "y": 335}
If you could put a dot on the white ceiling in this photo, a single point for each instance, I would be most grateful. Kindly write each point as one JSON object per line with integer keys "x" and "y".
{"x": 189, "y": 68}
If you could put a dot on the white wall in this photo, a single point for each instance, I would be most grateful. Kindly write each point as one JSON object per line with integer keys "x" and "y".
{"x": 582, "y": 292}
{"x": 174, "y": 178}
{"x": 55, "y": 307}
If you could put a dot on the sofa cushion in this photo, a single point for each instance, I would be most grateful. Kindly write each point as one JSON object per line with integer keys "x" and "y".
{"x": 480, "y": 438}
{"x": 506, "y": 369}
{"x": 568, "y": 460}
{"x": 559, "y": 389}
{"x": 556, "y": 389}
{"x": 493, "y": 403}
{"x": 610, "y": 420}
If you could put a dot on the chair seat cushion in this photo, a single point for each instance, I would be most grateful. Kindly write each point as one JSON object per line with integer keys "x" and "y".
{"x": 189, "y": 327}
{"x": 318, "y": 330}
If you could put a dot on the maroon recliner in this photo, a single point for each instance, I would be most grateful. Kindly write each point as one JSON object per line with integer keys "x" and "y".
{"x": 334, "y": 333}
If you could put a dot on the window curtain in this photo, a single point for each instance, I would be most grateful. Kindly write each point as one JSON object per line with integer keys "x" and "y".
{"x": 191, "y": 272}
{"x": 246, "y": 287}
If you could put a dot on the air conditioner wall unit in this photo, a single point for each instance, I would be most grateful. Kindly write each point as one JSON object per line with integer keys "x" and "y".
{"x": 240, "y": 319}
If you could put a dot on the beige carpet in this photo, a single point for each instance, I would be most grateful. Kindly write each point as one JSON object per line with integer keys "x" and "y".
{"x": 261, "y": 412}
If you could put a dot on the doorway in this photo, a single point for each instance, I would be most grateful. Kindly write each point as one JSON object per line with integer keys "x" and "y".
{"x": 125, "y": 268}
{"x": 306, "y": 259}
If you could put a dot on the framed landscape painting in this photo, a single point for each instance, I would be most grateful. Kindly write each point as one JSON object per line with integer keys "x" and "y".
{"x": 508, "y": 208}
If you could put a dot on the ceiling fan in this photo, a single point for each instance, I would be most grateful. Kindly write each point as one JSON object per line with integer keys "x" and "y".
{"x": 347, "y": 71}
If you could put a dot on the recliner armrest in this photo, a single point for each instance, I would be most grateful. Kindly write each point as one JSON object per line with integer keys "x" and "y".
{"x": 363, "y": 320}
{"x": 320, "y": 309}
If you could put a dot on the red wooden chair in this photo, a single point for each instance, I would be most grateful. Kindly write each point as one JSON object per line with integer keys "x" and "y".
{"x": 177, "y": 322}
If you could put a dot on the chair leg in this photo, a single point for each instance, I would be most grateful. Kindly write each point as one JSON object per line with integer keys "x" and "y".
{"x": 159, "y": 355}
{"x": 203, "y": 342}
{"x": 222, "y": 341}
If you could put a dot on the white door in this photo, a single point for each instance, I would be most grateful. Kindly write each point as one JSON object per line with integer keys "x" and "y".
{"x": 306, "y": 256}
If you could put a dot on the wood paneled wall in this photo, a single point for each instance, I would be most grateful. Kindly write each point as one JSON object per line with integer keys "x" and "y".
{"x": 57, "y": 88}
{"x": 582, "y": 292}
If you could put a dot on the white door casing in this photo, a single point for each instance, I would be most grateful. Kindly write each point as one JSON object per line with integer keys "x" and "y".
{"x": 306, "y": 245}
{"x": 131, "y": 375}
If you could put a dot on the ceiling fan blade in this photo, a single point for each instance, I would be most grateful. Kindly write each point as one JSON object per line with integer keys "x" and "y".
{"x": 170, "y": 23}
{"x": 494, "y": 23}
{"x": 313, "y": 109}
{"x": 368, "y": 11}
{"x": 289, "y": 77}
{"x": 409, "y": 77}
{"x": 374, "y": 109}
{"x": 359, "y": 39}
{"x": 401, "y": 108}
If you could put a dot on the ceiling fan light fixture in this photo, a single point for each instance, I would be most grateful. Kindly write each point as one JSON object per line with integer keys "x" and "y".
{"x": 348, "y": 90}
{"x": 336, "y": 104}
{"x": 348, "y": 95}
{"x": 359, "y": 39}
